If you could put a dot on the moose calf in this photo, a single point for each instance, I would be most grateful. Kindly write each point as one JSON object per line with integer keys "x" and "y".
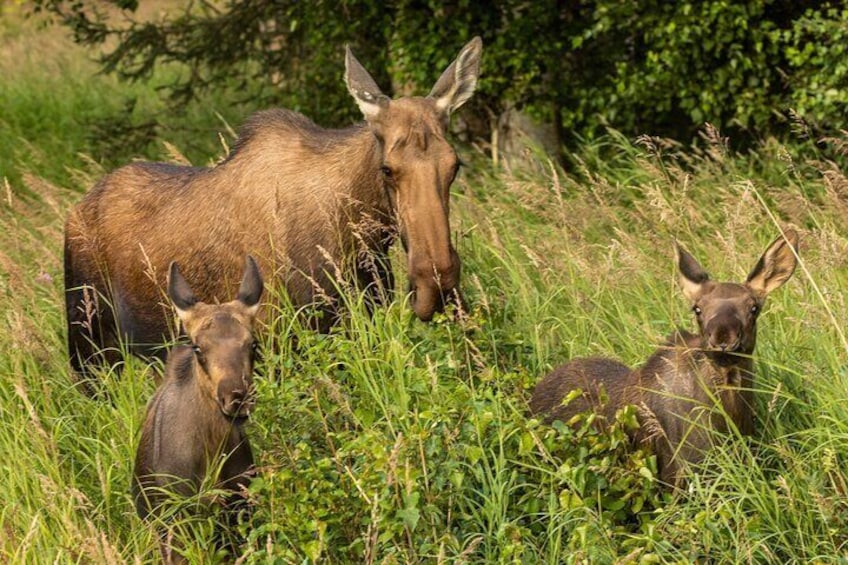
{"x": 194, "y": 422}
{"x": 675, "y": 391}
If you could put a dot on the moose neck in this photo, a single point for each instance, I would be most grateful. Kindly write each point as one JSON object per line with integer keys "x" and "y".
{"x": 298, "y": 163}
{"x": 729, "y": 361}
{"x": 734, "y": 378}
{"x": 729, "y": 376}
{"x": 354, "y": 157}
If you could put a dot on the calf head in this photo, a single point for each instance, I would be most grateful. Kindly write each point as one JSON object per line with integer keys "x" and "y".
{"x": 727, "y": 312}
{"x": 222, "y": 339}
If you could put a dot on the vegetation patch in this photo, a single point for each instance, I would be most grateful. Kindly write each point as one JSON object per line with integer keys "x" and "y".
{"x": 389, "y": 440}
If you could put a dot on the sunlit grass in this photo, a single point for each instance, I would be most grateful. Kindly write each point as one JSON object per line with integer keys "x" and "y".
{"x": 393, "y": 441}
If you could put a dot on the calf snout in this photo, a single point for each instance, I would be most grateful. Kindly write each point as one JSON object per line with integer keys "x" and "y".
{"x": 236, "y": 401}
{"x": 724, "y": 335}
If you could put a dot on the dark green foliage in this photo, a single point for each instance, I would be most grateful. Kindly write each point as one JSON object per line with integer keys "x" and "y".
{"x": 816, "y": 52}
{"x": 410, "y": 462}
{"x": 662, "y": 68}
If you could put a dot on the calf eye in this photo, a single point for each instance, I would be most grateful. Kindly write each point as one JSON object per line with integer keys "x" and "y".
{"x": 697, "y": 310}
{"x": 755, "y": 309}
{"x": 198, "y": 354}
{"x": 386, "y": 171}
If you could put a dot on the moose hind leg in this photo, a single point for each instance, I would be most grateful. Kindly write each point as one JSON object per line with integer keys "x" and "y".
{"x": 91, "y": 335}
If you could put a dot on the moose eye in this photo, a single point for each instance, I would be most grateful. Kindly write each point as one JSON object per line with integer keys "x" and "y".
{"x": 198, "y": 354}
{"x": 387, "y": 172}
{"x": 755, "y": 309}
{"x": 254, "y": 346}
{"x": 697, "y": 310}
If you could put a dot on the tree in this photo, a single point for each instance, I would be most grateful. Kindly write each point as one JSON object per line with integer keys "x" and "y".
{"x": 656, "y": 67}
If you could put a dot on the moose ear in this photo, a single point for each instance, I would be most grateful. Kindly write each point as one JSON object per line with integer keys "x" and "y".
{"x": 251, "y": 287}
{"x": 457, "y": 83}
{"x": 362, "y": 87}
{"x": 692, "y": 275}
{"x": 180, "y": 292}
{"x": 776, "y": 265}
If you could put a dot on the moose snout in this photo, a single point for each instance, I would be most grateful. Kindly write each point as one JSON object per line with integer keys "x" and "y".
{"x": 236, "y": 401}
{"x": 433, "y": 284}
{"x": 725, "y": 337}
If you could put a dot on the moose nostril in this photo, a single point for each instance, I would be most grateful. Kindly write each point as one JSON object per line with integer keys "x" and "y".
{"x": 232, "y": 400}
{"x": 724, "y": 340}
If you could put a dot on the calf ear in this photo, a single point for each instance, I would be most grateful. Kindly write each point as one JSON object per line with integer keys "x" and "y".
{"x": 179, "y": 291}
{"x": 251, "y": 287}
{"x": 368, "y": 96}
{"x": 457, "y": 83}
{"x": 692, "y": 275}
{"x": 776, "y": 265}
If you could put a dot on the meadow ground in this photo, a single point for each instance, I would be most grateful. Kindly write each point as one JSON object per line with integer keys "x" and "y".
{"x": 394, "y": 441}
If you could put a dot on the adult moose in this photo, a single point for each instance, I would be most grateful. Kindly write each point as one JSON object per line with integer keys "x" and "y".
{"x": 676, "y": 391}
{"x": 309, "y": 203}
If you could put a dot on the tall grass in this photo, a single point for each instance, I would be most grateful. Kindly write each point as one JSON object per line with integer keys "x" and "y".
{"x": 57, "y": 113}
{"x": 393, "y": 441}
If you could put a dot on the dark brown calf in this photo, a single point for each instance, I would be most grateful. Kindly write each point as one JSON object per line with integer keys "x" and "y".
{"x": 675, "y": 392}
{"x": 194, "y": 421}
{"x": 312, "y": 205}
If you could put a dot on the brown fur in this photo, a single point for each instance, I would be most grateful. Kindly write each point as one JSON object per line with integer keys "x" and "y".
{"x": 197, "y": 414}
{"x": 675, "y": 392}
{"x": 309, "y": 203}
